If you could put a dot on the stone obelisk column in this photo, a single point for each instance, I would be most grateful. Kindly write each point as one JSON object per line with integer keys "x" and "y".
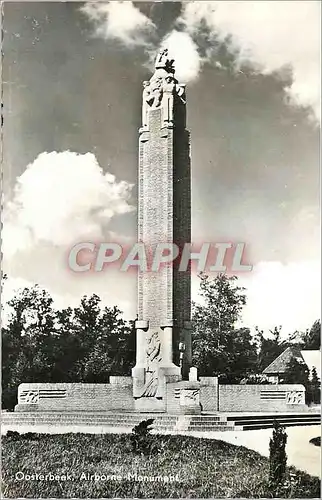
{"x": 164, "y": 216}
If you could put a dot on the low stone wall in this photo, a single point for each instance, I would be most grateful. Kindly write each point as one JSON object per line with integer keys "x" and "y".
{"x": 116, "y": 395}
{"x": 209, "y": 393}
{"x": 266, "y": 398}
{"x": 185, "y": 397}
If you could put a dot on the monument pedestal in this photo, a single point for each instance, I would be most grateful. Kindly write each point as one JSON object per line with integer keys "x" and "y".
{"x": 154, "y": 366}
{"x": 190, "y": 399}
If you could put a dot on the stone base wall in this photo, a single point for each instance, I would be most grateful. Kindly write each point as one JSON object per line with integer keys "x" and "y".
{"x": 72, "y": 397}
{"x": 209, "y": 398}
{"x": 183, "y": 397}
{"x": 266, "y": 398}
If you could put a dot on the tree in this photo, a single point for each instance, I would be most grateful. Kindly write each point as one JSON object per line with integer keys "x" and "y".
{"x": 92, "y": 343}
{"x": 218, "y": 347}
{"x": 277, "y": 456}
{"x": 296, "y": 373}
{"x": 82, "y": 344}
{"x": 312, "y": 338}
{"x": 269, "y": 348}
{"x": 27, "y": 341}
{"x": 108, "y": 354}
{"x": 314, "y": 387}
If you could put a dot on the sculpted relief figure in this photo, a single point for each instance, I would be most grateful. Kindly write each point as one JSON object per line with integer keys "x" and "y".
{"x": 192, "y": 395}
{"x": 169, "y": 89}
{"x": 161, "y": 59}
{"x": 153, "y": 350}
{"x": 161, "y": 90}
{"x": 153, "y": 353}
{"x": 29, "y": 397}
{"x": 163, "y": 62}
{"x": 146, "y": 103}
{"x": 156, "y": 92}
{"x": 152, "y": 98}
{"x": 295, "y": 397}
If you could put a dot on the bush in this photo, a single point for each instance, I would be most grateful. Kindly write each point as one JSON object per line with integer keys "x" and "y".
{"x": 277, "y": 456}
{"x": 13, "y": 435}
{"x": 141, "y": 440}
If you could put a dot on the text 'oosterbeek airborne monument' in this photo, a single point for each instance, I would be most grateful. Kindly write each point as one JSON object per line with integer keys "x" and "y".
{"x": 164, "y": 297}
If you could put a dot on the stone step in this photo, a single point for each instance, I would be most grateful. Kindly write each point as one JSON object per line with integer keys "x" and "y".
{"x": 23, "y": 419}
{"x": 270, "y": 422}
{"x": 211, "y": 422}
{"x": 78, "y": 417}
{"x": 76, "y": 422}
{"x": 103, "y": 421}
{"x": 138, "y": 416}
{"x": 205, "y": 418}
{"x": 268, "y": 425}
{"x": 288, "y": 416}
{"x": 82, "y": 420}
{"x": 200, "y": 429}
{"x": 212, "y": 428}
{"x": 159, "y": 426}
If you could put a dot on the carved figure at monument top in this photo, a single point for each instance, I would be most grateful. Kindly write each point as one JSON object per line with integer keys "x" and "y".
{"x": 163, "y": 62}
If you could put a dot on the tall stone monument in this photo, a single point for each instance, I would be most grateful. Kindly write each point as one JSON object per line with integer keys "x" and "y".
{"x": 162, "y": 380}
{"x": 164, "y": 216}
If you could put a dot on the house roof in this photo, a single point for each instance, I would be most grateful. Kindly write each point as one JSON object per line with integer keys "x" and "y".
{"x": 280, "y": 364}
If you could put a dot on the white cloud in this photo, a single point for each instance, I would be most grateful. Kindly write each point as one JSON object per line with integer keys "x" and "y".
{"x": 288, "y": 295}
{"x": 270, "y": 35}
{"x": 60, "y": 199}
{"x": 120, "y": 20}
{"x": 185, "y": 53}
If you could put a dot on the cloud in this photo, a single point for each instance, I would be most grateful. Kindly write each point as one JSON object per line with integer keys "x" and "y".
{"x": 286, "y": 295}
{"x": 267, "y": 35}
{"x": 121, "y": 21}
{"x": 60, "y": 199}
{"x": 283, "y": 294}
{"x": 270, "y": 36}
{"x": 185, "y": 53}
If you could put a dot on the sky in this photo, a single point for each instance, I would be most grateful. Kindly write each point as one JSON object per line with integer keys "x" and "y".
{"x": 72, "y": 92}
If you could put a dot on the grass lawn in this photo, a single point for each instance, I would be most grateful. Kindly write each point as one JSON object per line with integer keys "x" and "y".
{"x": 188, "y": 467}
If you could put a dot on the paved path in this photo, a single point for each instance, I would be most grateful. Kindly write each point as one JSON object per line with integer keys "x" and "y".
{"x": 300, "y": 452}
